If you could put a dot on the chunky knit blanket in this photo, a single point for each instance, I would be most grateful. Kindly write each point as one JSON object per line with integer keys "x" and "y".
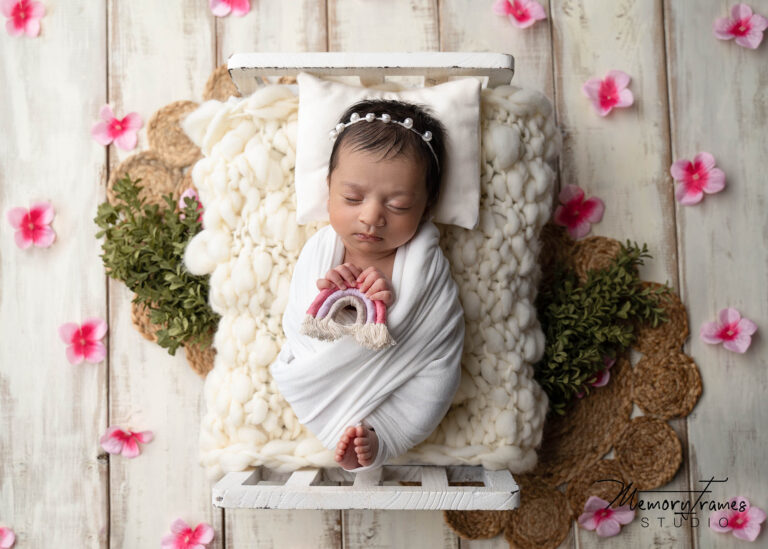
{"x": 250, "y": 245}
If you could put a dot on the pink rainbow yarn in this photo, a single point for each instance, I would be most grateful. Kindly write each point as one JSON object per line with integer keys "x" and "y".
{"x": 369, "y": 327}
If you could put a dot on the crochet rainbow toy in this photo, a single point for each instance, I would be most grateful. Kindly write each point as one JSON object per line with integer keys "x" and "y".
{"x": 328, "y": 318}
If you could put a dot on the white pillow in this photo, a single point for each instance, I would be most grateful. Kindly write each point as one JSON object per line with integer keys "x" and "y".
{"x": 456, "y": 104}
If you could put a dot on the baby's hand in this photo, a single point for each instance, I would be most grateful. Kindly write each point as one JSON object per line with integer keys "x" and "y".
{"x": 342, "y": 276}
{"x": 375, "y": 285}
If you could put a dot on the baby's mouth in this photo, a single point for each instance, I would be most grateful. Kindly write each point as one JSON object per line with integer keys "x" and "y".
{"x": 367, "y": 238}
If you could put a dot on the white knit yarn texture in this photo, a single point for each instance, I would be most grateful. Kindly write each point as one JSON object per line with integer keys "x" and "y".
{"x": 251, "y": 242}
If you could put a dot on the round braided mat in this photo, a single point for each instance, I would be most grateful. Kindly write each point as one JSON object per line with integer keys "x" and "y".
{"x": 157, "y": 178}
{"x": 167, "y": 139}
{"x": 219, "y": 85}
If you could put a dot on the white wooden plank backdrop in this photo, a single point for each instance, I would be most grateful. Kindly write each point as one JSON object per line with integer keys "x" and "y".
{"x": 692, "y": 93}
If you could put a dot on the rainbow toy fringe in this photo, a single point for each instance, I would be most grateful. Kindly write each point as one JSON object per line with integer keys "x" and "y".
{"x": 369, "y": 328}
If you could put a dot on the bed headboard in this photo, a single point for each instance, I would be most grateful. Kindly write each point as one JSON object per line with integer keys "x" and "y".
{"x": 247, "y": 68}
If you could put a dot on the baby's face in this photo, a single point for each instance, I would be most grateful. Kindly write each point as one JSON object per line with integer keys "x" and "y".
{"x": 368, "y": 195}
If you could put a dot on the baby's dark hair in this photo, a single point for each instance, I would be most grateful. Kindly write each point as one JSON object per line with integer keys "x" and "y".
{"x": 393, "y": 139}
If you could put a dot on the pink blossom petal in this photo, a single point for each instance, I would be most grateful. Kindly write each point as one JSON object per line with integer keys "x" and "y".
{"x": 750, "y": 40}
{"x": 502, "y": 7}
{"x": 44, "y": 237}
{"x": 22, "y": 240}
{"x": 679, "y": 169}
{"x": 715, "y": 181}
{"x": 738, "y": 344}
{"x": 94, "y": 328}
{"x": 759, "y": 23}
{"x": 32, "y": 27}
{"x": 747, "y": 327}
{"x": 220, "y": 8}
{"x": 608, "y": 527}
{"x": 12, "y": 28}
{"x": 569, "y": 193}
{"x": 112, "y": 444}
{"x": 127, "y": 140}
{"x": 100, "y": 132}
{"x": 179, "y": 526}
{"x": 16, "y": 217}
{"x": 592, "y": 209}
{"x": 587, "y": 521}
{"x": 203, "y": 533}
{"x": 705, "y": 159}
{"x": 144, "y": 436}
{"x": 36, "y": 10}
{"x": 722, "y": 28}
{"x": 623, "y": 514}
{"x": 591, "y": 89}
{"x": 41, "y": 213}
{"x": 602, "y": 378}
{"x": 68, "y": 331}
{"x": 106, "y": 114}
{"x": 132, "y": 121}
{"x": 729, "y": 315}
{"x": 620, "y": 78}
{"x": 595, "y": 503}
{"x": 7, "y": 537}
{"x": 94, "y": 352}
{"x": 73, "y": 355}
{"x": 748, "y": 532}
{"x": 240, "y": 7}
{"x": 6, "y": 7}
{"x": 709, "y": 333}
{"x": 536, "y": 11}
{"x": 688, "y": 195}
{"x": 579, "y": 230}
{"x": 625, "y": 98}
{"x": 718, "y": 521}
{"x": 130, "y": 448}
{"x": 741, "y": 11}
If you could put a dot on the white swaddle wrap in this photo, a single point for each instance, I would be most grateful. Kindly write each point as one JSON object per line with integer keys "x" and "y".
{"x": 401, "y": 391}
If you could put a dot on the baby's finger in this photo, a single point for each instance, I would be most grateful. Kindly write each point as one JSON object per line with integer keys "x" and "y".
{"x": 365, "y": 273}
{"x": 336, "y": 279}
{"x": 323, "y": 284}
{"x": 385, "y": 296}
{"x": 347, "y": 274}
{"x": 368, "y": 281}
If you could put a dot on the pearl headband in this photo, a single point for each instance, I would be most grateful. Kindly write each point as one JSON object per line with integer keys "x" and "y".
{"x": 370, "y": 117}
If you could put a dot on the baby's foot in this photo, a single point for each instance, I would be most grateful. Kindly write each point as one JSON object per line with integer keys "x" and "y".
{"x": 357, "y": 447}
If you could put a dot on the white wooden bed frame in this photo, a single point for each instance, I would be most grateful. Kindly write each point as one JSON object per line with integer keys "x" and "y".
{"x": 439, "y": 487}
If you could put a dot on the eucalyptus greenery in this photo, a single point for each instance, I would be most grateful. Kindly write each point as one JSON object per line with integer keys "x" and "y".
{"x": 585, "y": 323}
{"x": 143, "y": 247}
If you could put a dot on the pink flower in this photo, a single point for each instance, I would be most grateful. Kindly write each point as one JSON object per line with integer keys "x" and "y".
{"x": 220, "y": 8}
{"x": 522, "y": 13}
{"x": 602, "y": 377}
{"x": 122, "y": 131}
{"x": 577, "y": 214}
{"x": 696, "y": 178}
{"x": 739, "y": 518}
{"x": 33, "y": 225}
{"x": 7, "y": 537}
{"x": 184, "y": 537}
{"x": 84, "y": 341}
{"x": 734, "y": 332}
{"x": 182, "y": 203}
{"x": 24, "y": 16}
{"x": 116, "y": 441}
{"x": 597, "y": 515}
{"x": 609, "y": 93}
{"x": 745, "y": 27}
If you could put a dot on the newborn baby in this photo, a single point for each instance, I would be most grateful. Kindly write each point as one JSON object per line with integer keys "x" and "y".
{"x": 383, "y": 184}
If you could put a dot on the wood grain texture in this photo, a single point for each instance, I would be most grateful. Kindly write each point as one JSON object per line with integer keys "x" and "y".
{"x": 53, "y": 480}
{"x": 623, "y": 159}
{"x": 719, "y": 100}
{"x": 159, "y": 53}
{"x": 278, "y": 26}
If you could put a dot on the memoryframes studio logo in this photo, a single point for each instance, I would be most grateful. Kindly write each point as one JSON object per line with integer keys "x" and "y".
{"x": 677, "y": 507}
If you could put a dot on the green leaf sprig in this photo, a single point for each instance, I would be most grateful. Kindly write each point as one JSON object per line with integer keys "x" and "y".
{"x": 585, "y": 323}
{"x": 144, "y": 247}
